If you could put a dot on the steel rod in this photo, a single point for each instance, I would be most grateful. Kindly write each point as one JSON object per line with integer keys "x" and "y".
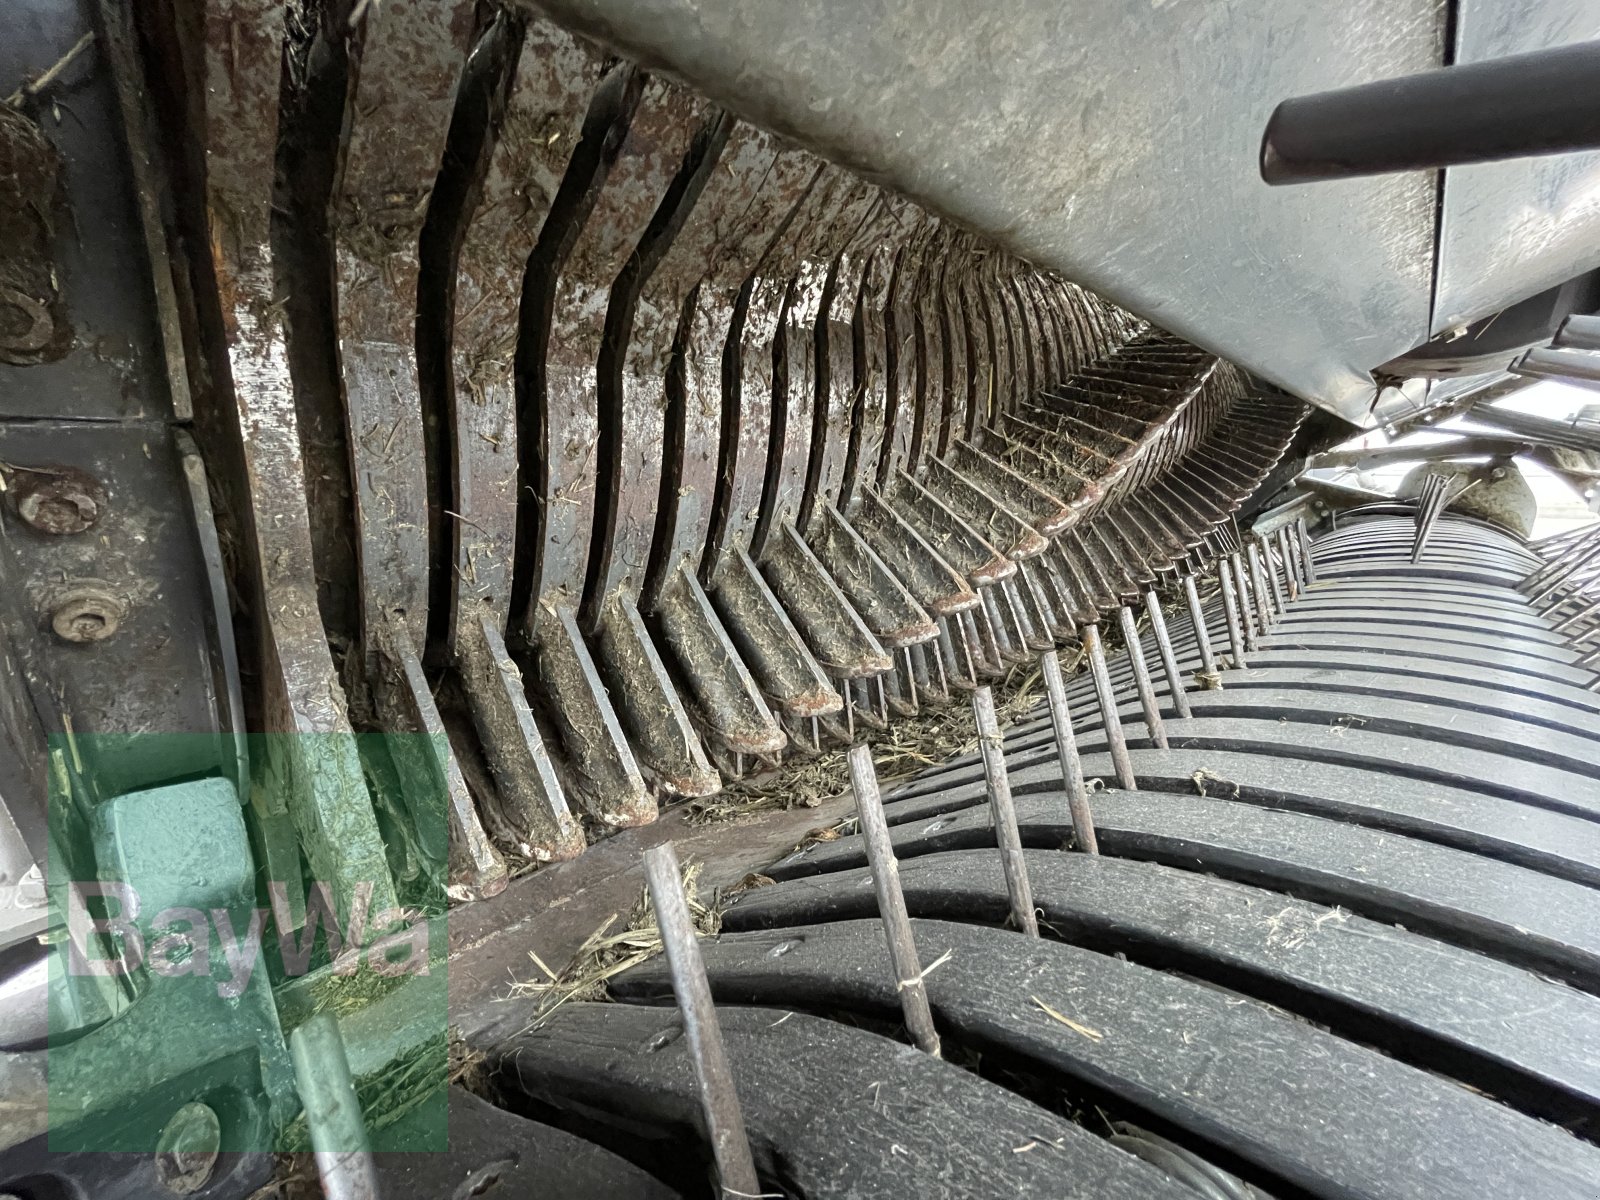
{"x": 1169, "y": 657}
{"x": 1230, "y": 611}
{"x": 1153, "y": 723}
{"x": 1067, "y": 749}
{"x": 1116, "y": 743}
{"x": 1202, "y": 635}
{"x": 1003, "y": 812}
{"x": 885, "y": 868}
{"x": 1307, "y": 558}
{"x": 333, "y": 1112}
{"x": 1265, "y": 614}
{"x": 1291, "y": 570}
{"x": 1247, "y": 618}
{"x": 1270, "y": 565}
{"x": 719, "y": 1099}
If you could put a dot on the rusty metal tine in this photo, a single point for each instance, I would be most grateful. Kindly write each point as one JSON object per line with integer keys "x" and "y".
{"x": 1258, "y": 589}
{"x": 1141, "y": 678}
{"x": 1230, "y": 609}
{"x": 910, "y": 668}
{"x": 1269, "y": 563}
{"x": 1291, "y": 576}
{"x": 719, "y": 1099}
{"x": 1296, "y": 556}
{"x": 1307, "y": 559}
{"x": 1266, "y": 609}
{"x": 338, "y": 1133}
{"x": 1169, "y": 657}
{"x": 1247, "y": 611}
{"x": 1003, "y": 812}
{"x": 891, "y": 901}
{"x": 1067, "y": 748}
{"x": 936, "y": 661}
{"x": 1106, "y": 697}
{"x": 1197, "y": 618}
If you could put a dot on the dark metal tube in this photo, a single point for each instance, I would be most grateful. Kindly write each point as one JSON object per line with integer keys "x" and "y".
{"x": 1513, "y": 107}
{"x": 1141, "y": 678}
{"x": 1169, "y": 657}
{"x": 719, "y": 1100}
{"x": 1116, "y": 743}
{"x": 891, "y": 901}
{"x": 1067, "y": 749}
{"x": 1004, "y": 813}
{"x": 1569, "y": 366}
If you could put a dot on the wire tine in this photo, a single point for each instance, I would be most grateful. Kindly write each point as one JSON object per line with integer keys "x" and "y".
{"x": 1247, "y": 619}
{"x": 1169, "y": 657}
{"x": 1067, "y": 749}
{"x": 1258, "y": 588}
{"x": 908, "y": 977}
{"x": 1307, "y": 558}
{"x": 1141, "y": 678}
{"x": 1202, "y": 635}
{"x": 1116, "y": 743}
{"x": 1230, "y": 609}
{"x": 719, "y": 1099}
{"x": 1270, "y": 564}
{"x": 1291, "y": 574}
{"x": 1004, "y": 813}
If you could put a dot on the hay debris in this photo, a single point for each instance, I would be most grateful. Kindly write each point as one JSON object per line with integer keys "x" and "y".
{"x": 1094, "y": 1035}
{"x": 906, "y": 747}
{"x": 1201, "y": 777}
{"x": 606, "y": 954}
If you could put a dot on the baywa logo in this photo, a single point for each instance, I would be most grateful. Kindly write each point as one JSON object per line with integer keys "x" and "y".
{"x": 178, "y": 941}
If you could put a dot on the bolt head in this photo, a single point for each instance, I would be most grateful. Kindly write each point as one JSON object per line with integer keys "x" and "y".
{"x": 186, "y": 1153}
{"x": 57, "y": 500}
{"x": 86, "y": 614}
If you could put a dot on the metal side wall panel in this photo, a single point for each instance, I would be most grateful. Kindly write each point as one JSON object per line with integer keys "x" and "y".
{"x": 1510, "y": 230}
{"x": 1115, "y": 143}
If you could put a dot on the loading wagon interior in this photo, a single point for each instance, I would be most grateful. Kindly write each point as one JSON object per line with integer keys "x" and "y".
{"x": 675, "y": 598}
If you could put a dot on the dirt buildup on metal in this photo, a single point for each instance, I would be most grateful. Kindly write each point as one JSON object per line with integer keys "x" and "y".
{"x": 902, "y": 750}
{"x": 33, "y": 322}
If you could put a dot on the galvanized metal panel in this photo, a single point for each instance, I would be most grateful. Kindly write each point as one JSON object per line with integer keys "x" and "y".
{"x": 1115, "y": 143}
{"x": 1509, "y": 230}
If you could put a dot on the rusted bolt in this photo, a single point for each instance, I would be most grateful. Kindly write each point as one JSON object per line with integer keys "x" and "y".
{"x": 86, "y": 614}
{"x": 186, "y": 1153}
{"x": 56, "y": 500}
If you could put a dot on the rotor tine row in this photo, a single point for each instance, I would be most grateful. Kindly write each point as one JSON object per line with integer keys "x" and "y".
{"x": 634, "y": 554}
